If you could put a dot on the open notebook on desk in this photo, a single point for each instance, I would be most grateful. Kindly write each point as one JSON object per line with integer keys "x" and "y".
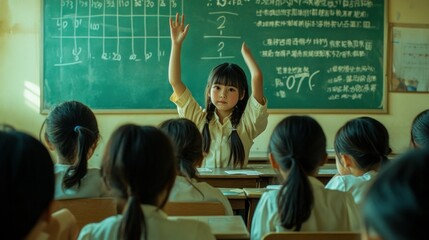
{"x": 243, "y": 172}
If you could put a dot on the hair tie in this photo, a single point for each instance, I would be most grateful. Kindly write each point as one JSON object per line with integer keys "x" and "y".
{"x": 234, "y": 129}
{"x": 76, "y": 129}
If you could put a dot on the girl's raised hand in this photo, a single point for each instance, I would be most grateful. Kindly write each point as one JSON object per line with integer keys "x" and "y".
{"x": 178, "y": 30}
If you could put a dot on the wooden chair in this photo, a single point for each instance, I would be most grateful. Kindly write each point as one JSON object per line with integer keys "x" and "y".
{"x": 312, "y": 236}
{"x": 62, "y": 225}
{"x": 194, "y": 209}
{"x": 88, "y": 210}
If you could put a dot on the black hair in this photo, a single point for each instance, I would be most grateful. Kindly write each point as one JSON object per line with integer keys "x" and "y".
{"x": 187, "y": 141}
{"x": 228, "y": 74}
{"x": 134, "y": 157}
{"x": 366, "y": 140}
{"x": 396, "y": 205}
{"x": 27, "y": 180}
{"x": 420, "y": 130}
{"x": 298, "y": 145}
{"x": 72, "y": 128}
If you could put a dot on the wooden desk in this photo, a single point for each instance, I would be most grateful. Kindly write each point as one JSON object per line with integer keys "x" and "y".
{"x": 237, "y": 198}
{"x": 326, "y": 172}
{"x": 268, "y": 176}
{"x": 220, "y": 179}
{"x": 223, "y": 227}
{"x": 262, "y": 157}
{"x": 253, "y": 195}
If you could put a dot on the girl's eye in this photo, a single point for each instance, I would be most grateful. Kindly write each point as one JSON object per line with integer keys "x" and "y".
{"x": 215, "y": 87}
{"x": 232, "y": 90}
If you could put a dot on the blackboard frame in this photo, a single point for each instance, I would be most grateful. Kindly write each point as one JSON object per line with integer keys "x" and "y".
{"x": 382, "y": 109}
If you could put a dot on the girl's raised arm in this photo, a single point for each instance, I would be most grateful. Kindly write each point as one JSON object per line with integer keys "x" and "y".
{"x": 178, "y": 32}
{"x": 255, "y": 71}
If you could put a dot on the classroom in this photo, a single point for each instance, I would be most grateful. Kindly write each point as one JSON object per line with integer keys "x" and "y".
{"x": 21, "y": 83}
{"x": 21, "y": 69}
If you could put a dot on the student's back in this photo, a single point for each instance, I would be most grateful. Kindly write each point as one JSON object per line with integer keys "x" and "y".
{"x": 188, "y": 145}
{"x": 71, "y": 131}
{"x": 27, "y": 185}
{"x": 362, "y": 147}
{"x": 297, "y": 148}
{"x": 140, "y": 167}
{"x": 396, "y": 206}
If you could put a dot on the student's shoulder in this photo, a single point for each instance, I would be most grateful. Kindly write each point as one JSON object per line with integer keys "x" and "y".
{"x": 105, "y": 229}
{"x": 269, "y": 198}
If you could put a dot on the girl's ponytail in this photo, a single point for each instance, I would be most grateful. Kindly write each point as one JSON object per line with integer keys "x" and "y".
{"x": 75, "y": 173}
{"x": 295, "y": 199}
{"x": 206, "y": 131}
{"x": 133, "y": 224}
{"x": 237, "y": 155}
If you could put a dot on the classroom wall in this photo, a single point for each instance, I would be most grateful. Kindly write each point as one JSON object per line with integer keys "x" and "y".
{"x": 20, "y": 71}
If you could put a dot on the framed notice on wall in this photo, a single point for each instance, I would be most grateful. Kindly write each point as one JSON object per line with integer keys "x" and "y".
{"x": 409, "y": 58}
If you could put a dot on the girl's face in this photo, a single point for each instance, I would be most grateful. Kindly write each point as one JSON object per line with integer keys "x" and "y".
{"x": 224, "y": 97}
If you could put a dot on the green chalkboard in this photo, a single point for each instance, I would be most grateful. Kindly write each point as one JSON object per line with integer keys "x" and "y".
{"x": 315, "y": 55}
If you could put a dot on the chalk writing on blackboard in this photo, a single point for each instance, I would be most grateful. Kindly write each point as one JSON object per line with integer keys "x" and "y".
{"x": 315, "y": 55}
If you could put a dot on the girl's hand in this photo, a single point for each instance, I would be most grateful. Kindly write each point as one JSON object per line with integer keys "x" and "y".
{"x": 178, "y": 30}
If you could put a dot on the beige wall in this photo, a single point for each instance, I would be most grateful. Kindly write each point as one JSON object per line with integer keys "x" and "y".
{"x": 20, "y": 70}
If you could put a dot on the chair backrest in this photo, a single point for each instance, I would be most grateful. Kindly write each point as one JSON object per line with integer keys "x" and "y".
{"x": 88, "y": 210}
{"x": 62, "y": 225}
{"x": 194, "y": 208}
{"x": 312, "y": 236}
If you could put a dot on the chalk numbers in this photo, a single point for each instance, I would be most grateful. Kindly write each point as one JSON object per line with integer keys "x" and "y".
{"x": 221, "y": 20}
{"x": 295, "y": 82}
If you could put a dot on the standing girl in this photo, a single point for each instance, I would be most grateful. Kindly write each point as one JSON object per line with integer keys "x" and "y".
{"x": 361, "y": 146}
{"x": 297, "y": 148}
{"x": 72, "y": 132}
{"x": 140, "y": 167}
{"x": 188, "y": 142}
{"x": 231, "y": 119}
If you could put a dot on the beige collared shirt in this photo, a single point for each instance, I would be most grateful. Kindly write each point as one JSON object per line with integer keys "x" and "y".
{"x": 253, "y": 122}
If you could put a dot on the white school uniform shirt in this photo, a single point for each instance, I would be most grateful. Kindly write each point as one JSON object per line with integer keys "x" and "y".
{"x": 158, "y": 227}
{"x": 91, "y": 185}
{"x": 332, "y": 211}
{"x": 253, "y": 122}
{"x": 184, "y": 191}
{"x": 356, "y": 185}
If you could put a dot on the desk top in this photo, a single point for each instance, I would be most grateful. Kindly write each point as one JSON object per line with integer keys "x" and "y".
{"x": 223, "y": 227}
{"x": 233, "y": 193}
{"x": 257, "y": 171}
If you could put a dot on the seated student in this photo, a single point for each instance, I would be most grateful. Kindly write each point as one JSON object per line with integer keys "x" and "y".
{"x": 361, "y": 146}
{"x": 140, "y": 167}
{"x": 189, "y": 151}
{"x": 396, "y": 205}
{"x": 27, "y": 182}
{"x": 420, "y": 130}
{"x": 72, "y": 133}
{"x": 297, "y": 148}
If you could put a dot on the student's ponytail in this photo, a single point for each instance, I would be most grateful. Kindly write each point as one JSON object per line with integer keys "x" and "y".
{"x": 75, "y": 173}
{"x": 295, "y": 199}
{"x": 298, "y": 146}
{"x": 206, "y": 130}
{"x": 133, "y": 224}
{"x": 237, "y": 155}
{"x": 71, "y": 127}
